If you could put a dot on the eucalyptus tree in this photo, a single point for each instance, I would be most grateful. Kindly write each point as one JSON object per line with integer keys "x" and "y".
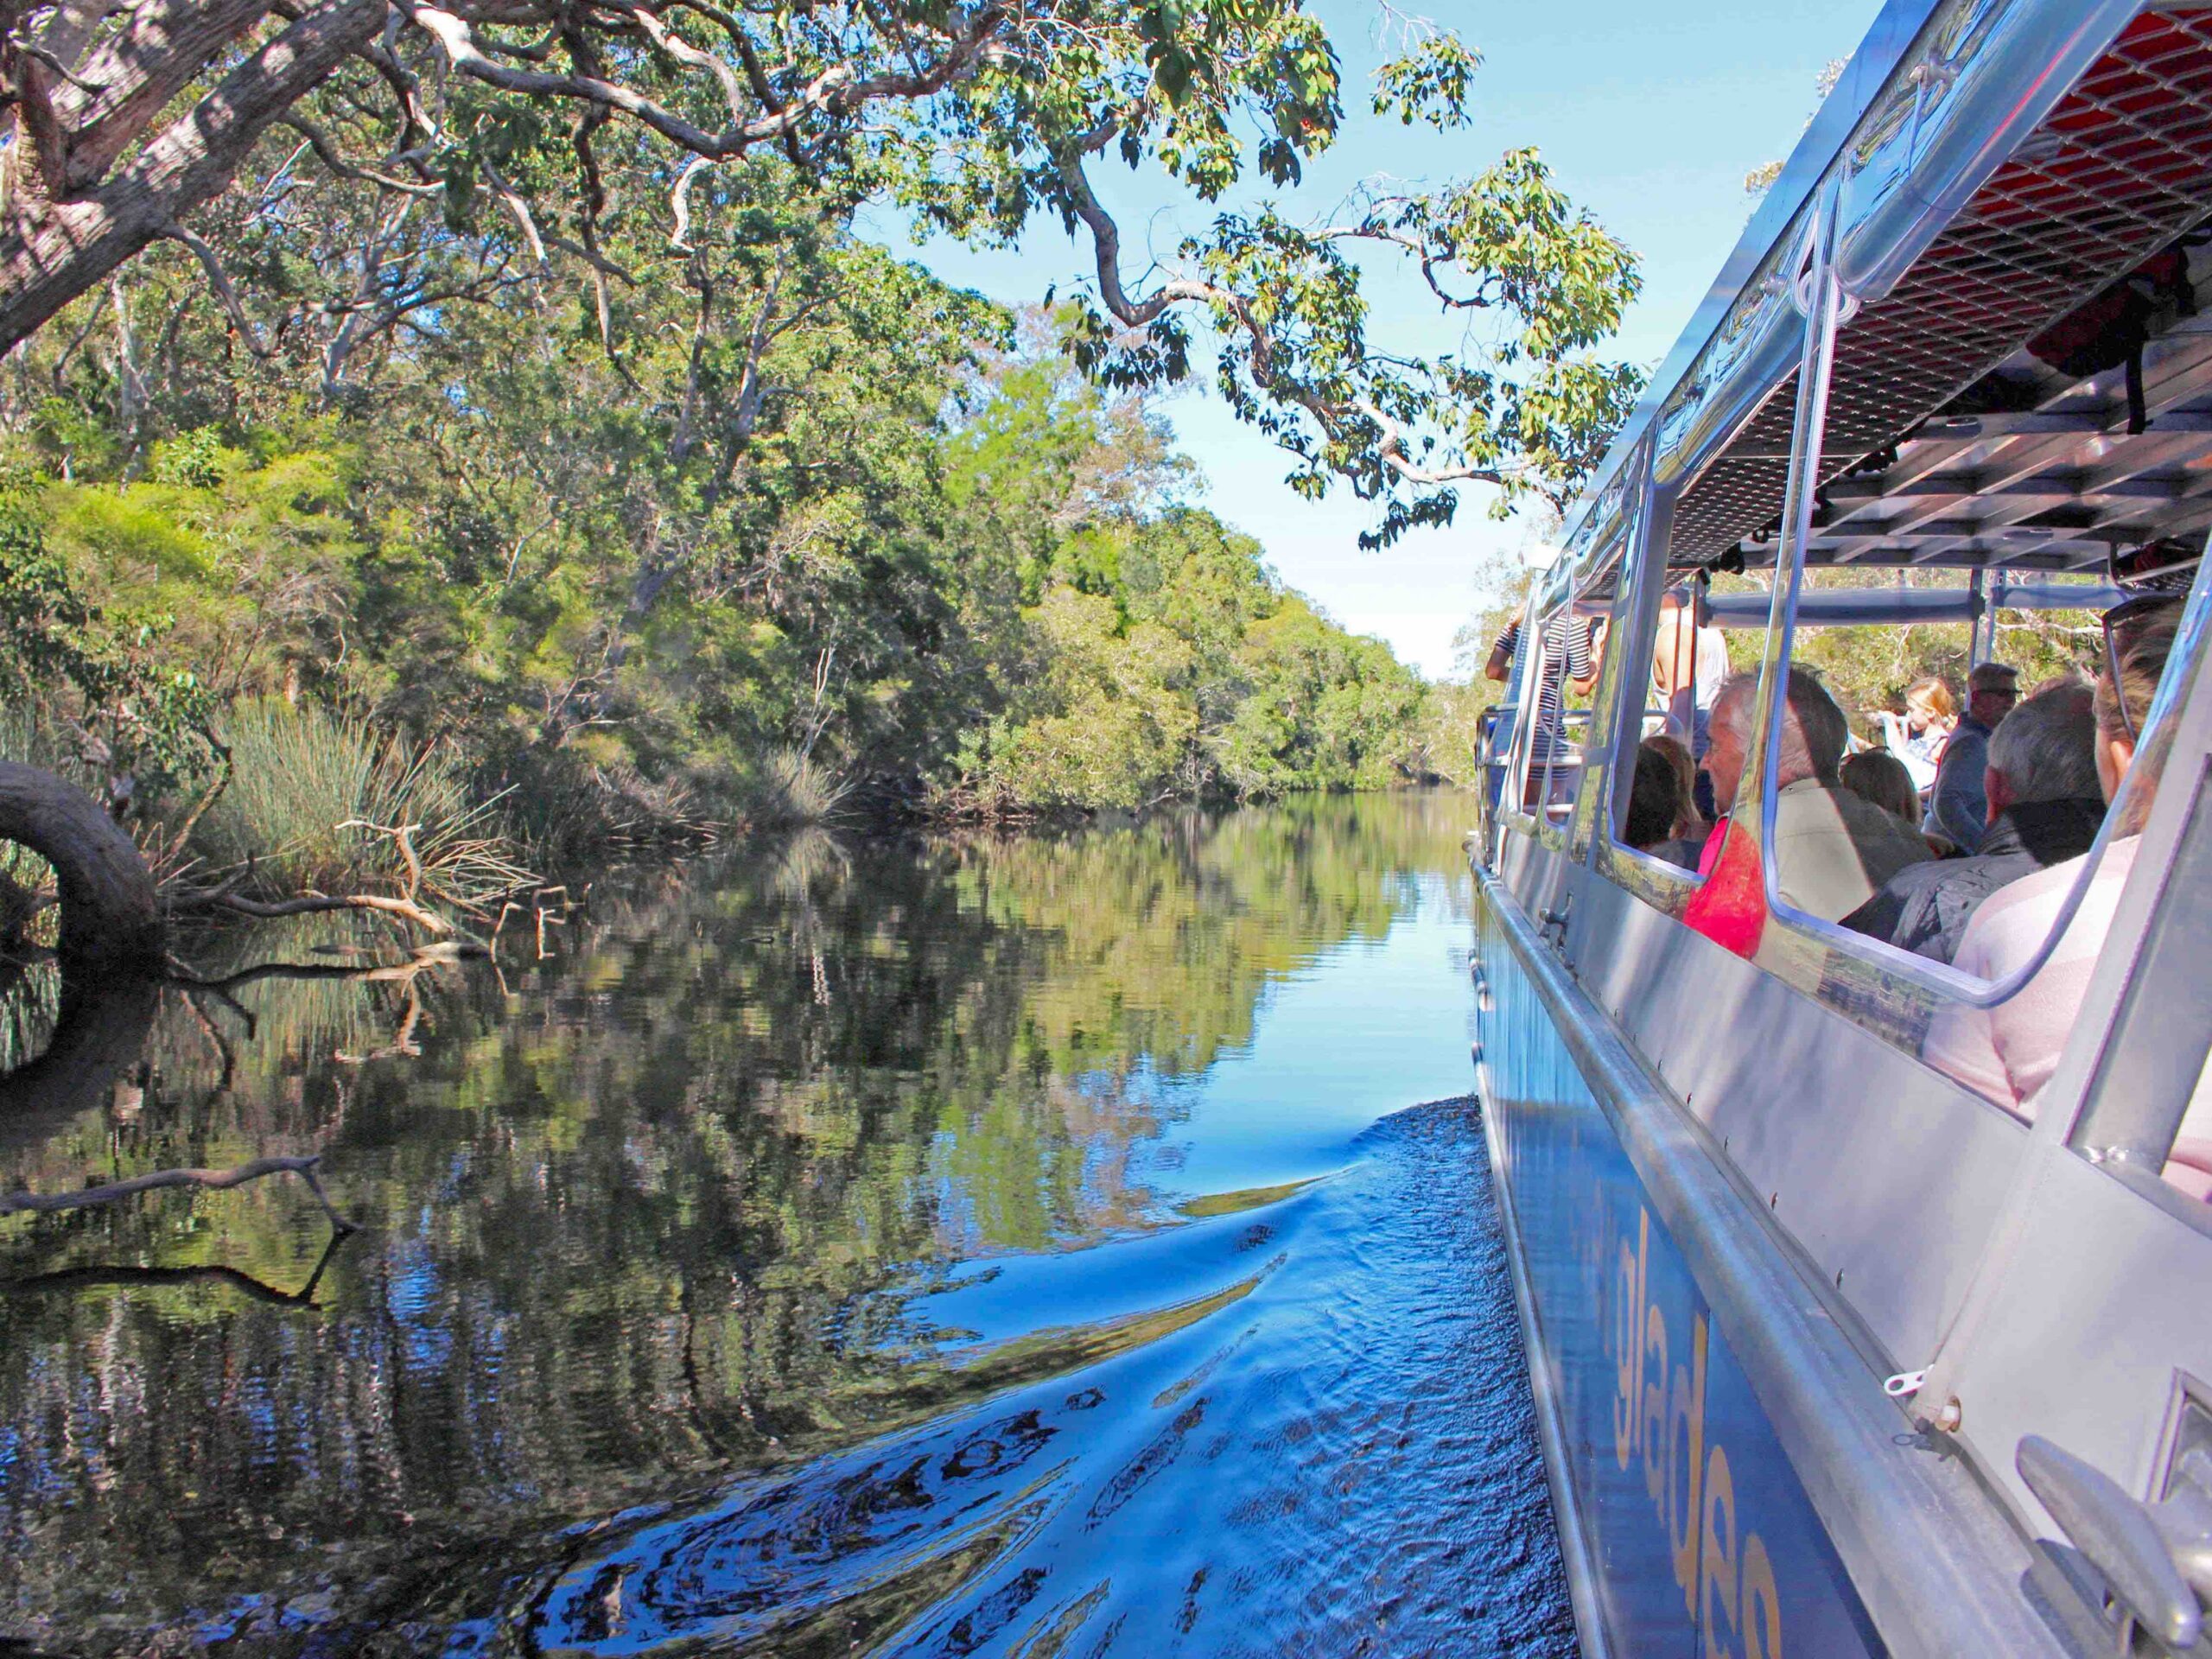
{"x": 130, "y": 123}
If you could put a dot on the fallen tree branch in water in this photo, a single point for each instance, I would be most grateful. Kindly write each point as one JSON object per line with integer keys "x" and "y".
{"x": 406, "y": 905}
{"x": 218, "y": 1180}
{"x": 309, "y": 904}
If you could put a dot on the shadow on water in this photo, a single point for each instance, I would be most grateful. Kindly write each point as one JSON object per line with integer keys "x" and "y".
{"x": 1006, "y": 1246}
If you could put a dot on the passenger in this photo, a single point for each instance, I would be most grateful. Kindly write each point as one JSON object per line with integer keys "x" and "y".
{"x": 1689, "y": 823}
{"x": 2044, "y": 807}
{"x": 1653, "y": 801}
{"x": 1917, "y": 736}
{"x": 1832, "y": 849}
{"x": 1656, "y": 804}
{"x": 1958, "y": 810}
{"x": 1689, "y": 664}
{"x": 1878, "y": 776}
{"x": 2008, "y": 1052}
{"x": 1569, "y": 657}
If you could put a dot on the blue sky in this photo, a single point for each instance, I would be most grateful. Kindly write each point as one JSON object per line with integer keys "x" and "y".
{"x": 1649, "y": 114}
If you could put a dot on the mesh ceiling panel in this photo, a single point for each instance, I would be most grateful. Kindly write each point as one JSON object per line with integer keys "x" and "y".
{"x": 2120, "y": 167}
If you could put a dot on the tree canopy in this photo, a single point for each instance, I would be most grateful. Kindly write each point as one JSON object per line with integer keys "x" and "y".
{"x": 337, "y": 172}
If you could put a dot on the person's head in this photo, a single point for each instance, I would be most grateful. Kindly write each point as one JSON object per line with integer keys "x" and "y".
{"x": 1654, "y": 801}
{"x": 1676, "y": 755}
{"x": 2045, "y": 749}
{"x": 1929, "y": 703}
{"x": 1814, "y": 732}
{"x": 1992, "y": 690}
{"x": 1878, "y": 776}
{"x": 2123, "y": 710}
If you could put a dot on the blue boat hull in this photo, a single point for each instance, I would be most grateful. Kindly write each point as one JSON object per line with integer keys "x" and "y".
{"x": 1691, "y": 1532}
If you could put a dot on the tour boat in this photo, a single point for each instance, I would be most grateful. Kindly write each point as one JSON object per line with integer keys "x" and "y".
{"x": 1831, "y": 1353}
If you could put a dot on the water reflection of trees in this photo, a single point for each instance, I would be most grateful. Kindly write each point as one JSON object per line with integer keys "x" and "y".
{"x": 652, "y": 1210}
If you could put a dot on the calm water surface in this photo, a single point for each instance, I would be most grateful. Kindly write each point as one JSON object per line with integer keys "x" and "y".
{"x": 1061, "y": 1246}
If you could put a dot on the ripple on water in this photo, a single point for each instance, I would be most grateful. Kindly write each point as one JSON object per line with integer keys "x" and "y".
{"x": 1331, "y": 1452}
{"x": 986, "y": 1246}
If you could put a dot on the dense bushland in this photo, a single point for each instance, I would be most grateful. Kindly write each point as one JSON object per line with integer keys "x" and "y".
{"x": 944, "y": 574}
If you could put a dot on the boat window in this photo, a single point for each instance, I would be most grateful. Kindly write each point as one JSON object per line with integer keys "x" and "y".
{"x": 1958, "y": 787}
{"x": 1662, "y": 802}
{"x": 1607, "y": 704}
{"x": 1668, "y": 622}
{"x": 1555, "y": 670}
{"x": 1975, "y": 614}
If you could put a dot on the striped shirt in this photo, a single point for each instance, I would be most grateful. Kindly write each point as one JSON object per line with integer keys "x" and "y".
{"x": 1566, "y": 655}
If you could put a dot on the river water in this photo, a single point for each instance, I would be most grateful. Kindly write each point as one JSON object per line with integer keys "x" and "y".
{"x": 1067, "y": 1245}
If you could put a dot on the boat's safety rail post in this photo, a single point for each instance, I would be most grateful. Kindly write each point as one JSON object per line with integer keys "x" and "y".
{"x": 1819, "y": 293}
{"x": 1617, "y": 702}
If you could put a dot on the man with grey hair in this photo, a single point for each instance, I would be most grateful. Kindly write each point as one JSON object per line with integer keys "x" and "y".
{"x": 2044, "y": 807}
{"x": 1832, "y": 848}
{"x": 1957, "y": 809}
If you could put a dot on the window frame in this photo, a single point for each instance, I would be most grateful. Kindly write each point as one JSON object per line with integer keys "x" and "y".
{"x": 1830, "y": 307}
{"x": 1513, "y": 809}
{"x": 1648, "y": 541}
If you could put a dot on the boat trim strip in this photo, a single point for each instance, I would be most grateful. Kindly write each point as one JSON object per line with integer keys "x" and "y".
{"x": 1951, "y": 1579}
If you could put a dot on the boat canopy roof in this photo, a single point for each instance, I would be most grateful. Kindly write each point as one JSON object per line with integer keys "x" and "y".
{"x": 1968, "y": 218}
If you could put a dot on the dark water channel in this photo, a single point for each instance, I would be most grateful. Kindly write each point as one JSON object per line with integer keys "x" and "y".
{"x": 1069, "y": 1245}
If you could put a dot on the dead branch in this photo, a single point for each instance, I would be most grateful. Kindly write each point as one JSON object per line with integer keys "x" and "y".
{"x": 402, "y": 836}
{"x": 313, "y": 904}
{"x": 406, "y": 907}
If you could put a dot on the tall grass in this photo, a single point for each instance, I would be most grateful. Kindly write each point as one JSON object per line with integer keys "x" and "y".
{"x": 304, "y": 781}
{"x": 796, "y": 789}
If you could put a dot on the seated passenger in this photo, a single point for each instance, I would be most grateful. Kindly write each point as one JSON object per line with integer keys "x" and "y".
{"x": 1689, "y": 823}
{"x": 1957, "y": 809}
{"x": 1878, "y": 776}
{"x": 2044, "y": 807}
{"x": 2008, "y": 1052}
{"x": 1832, "y": 848}
{"x": 1655, "y": 807}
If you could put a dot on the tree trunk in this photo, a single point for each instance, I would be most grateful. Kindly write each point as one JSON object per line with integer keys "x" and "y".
{"x": 59, "y": 247}
{"x": 110, "y": 915}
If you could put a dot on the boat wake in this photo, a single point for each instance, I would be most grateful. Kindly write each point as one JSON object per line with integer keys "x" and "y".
{"x": 1294, "y": 1422}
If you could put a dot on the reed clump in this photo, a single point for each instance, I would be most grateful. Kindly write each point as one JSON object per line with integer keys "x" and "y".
{"x": 314, "y": 800}
{"x": 796, "y": 789}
